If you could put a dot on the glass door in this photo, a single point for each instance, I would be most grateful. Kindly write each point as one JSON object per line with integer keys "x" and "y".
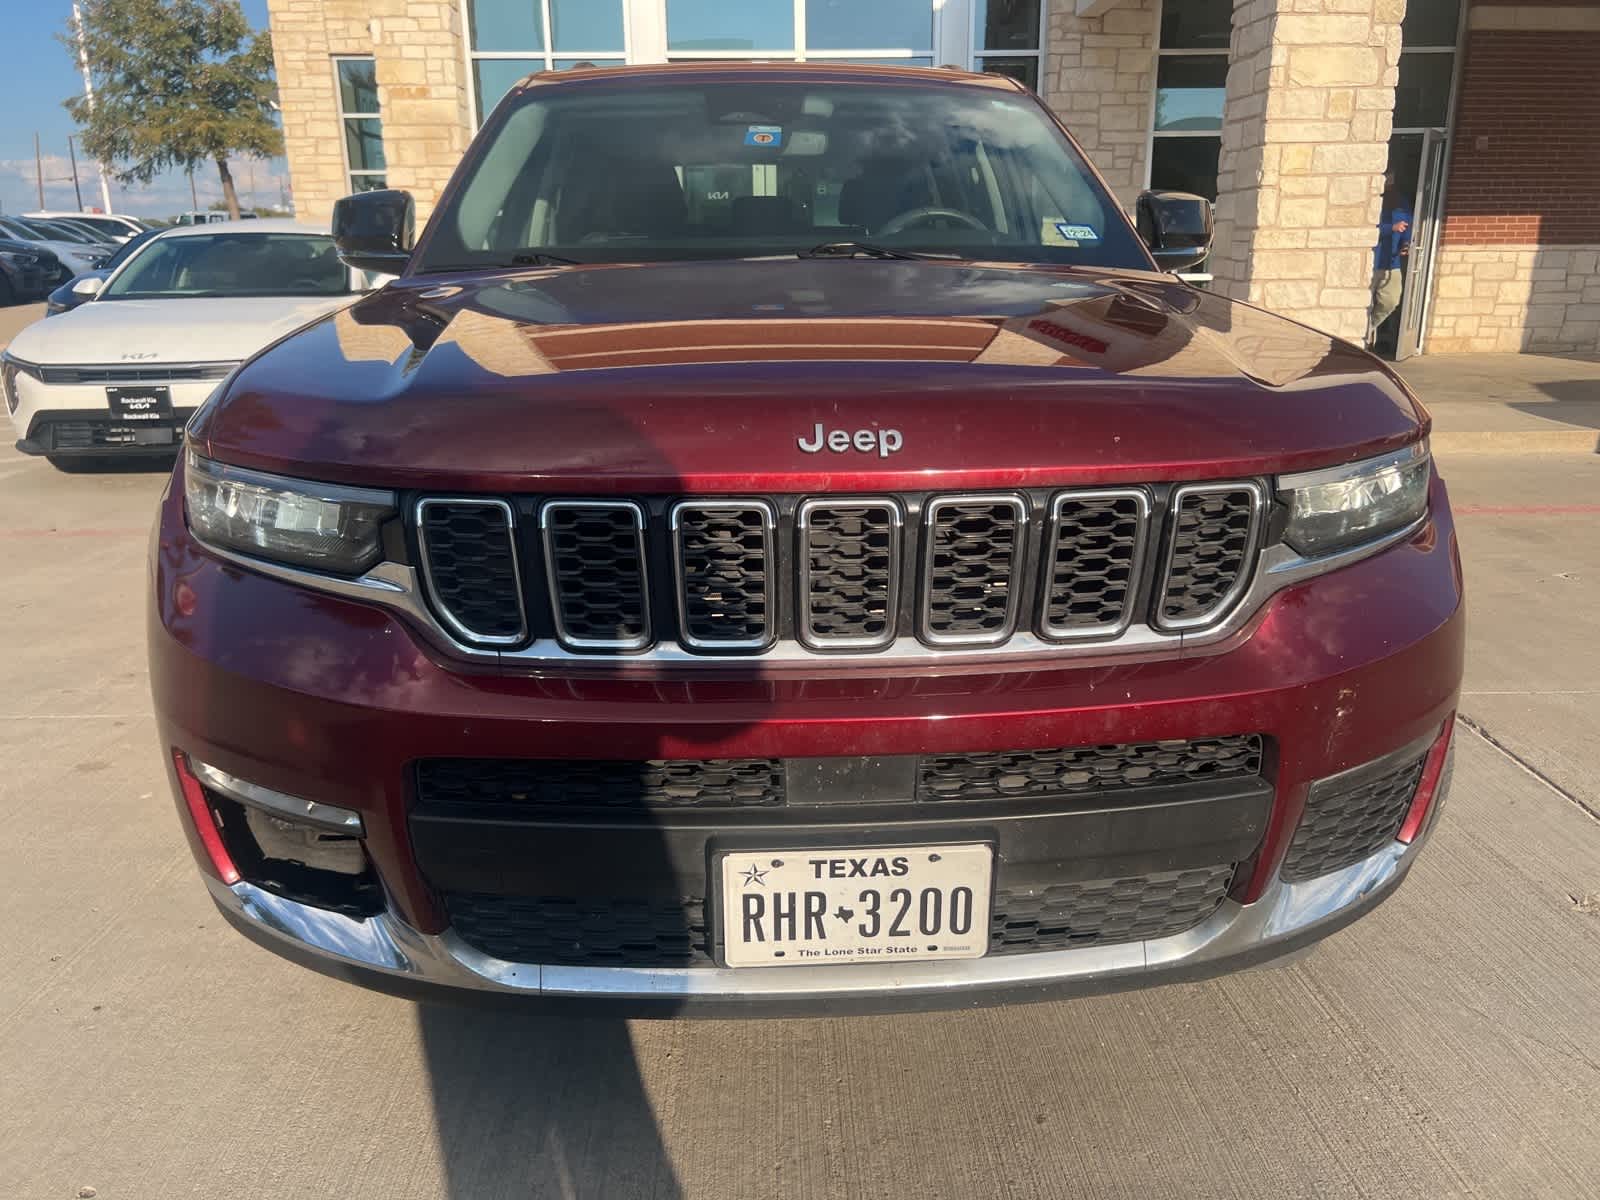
{"x": 1424, "y": 245}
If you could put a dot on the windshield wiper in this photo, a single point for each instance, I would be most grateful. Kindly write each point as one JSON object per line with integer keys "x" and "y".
{"x": 863, "y": 250}
{"x": 538, "y": 258}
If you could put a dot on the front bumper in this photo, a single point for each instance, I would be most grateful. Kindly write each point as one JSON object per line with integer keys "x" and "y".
{"x": 385, "y": 953}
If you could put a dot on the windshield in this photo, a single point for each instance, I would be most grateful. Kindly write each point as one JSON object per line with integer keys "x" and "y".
{"x": 734, "y": 169}
{"x": 232, "y": 264}
{"x": 129, "y": 248}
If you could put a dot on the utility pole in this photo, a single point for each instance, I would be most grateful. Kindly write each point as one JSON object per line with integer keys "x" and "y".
{"x": 77, "y": 192}
{"x": 38, "y": 168}
{"x": 88, "y": 95}
{"x": 194, "y": 200}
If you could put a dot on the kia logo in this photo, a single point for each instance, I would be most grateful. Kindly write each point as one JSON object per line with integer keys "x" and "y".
{"x": 841, "y": 441}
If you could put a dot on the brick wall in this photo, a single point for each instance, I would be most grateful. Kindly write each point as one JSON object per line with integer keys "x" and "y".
{"x": 1526, "y": 166}
{"x": 1518, "y": 267}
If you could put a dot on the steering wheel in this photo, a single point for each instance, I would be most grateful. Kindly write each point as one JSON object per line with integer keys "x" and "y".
{"x": 916, "y": 216}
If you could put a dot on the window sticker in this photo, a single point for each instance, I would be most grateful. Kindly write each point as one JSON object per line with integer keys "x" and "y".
{"x": 1050, "y": 233}
{"x": 768, "y": 136}
{"x": 1077, "y": 233}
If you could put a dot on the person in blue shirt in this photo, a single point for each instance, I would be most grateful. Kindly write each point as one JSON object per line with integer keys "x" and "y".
{"x": 1389, "y": 255}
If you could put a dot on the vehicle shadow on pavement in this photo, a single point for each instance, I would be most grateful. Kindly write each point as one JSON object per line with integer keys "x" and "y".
{"x": 531, "y": 1105}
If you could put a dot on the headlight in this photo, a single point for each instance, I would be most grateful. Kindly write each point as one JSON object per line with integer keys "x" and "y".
{"x": 1345, "y": 506}
{"x": 318, "y": 525}
{"x": 9, "y": 371}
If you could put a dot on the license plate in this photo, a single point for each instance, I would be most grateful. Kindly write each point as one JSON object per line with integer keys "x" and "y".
{"x": 789, "y": 908}
{"x": 140, "y": 403}
{"x": 140, "y": 435}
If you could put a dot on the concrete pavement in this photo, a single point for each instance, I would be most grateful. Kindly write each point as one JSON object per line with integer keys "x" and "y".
{"x": 1449, "y": 1045}
{"x": 1500, "y": 403}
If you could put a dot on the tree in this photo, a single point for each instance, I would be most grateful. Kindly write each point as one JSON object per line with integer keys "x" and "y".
{"x": 178, "y": 83}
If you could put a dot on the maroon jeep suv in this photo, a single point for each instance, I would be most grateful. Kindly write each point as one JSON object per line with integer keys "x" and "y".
{"x": 786, "y": 541}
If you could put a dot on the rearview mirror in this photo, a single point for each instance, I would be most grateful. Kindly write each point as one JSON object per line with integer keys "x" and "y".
{"x": 374, "y": 230}
{"x": 1176, "y": 226}
{"x": 89, "y": 285}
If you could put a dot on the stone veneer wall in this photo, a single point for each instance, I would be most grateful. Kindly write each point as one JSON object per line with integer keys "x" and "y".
{"x": 1100, "y": 80}
{"x": 1304, "y": 145}
{"x": 1492, "y": 299}
{"x": 422, "y": 93}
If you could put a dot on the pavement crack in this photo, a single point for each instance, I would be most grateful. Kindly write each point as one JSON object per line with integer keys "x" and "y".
{"x": 1577, "y": 802}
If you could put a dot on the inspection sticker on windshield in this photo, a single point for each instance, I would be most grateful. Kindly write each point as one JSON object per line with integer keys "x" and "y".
{"x": 764, "y": 135}
{"x": 1077, "y": 233}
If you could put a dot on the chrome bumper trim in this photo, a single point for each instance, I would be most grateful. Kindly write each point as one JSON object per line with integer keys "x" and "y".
{"x": 1289, "y": 913}
{"x": 280, "y": 804}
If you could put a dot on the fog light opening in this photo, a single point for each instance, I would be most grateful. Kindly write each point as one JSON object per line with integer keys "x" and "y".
{"x": 205, "y": 821}
{"x": 1428, "y": 786}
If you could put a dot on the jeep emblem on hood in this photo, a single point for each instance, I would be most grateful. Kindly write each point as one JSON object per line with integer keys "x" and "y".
{"x": 884, "y": 441}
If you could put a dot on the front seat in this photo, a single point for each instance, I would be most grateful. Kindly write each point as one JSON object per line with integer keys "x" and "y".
{"x": 625, "y": 198}
{"x": 882, "y": 191}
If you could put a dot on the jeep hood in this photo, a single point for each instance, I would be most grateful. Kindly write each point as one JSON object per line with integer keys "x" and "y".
{"x": 711, "y": 376}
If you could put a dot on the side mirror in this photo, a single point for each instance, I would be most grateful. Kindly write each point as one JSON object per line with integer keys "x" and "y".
{"x": 374, "y": 230}
{"x": 87, "y": 286}
{"x": 1176, "y": 226}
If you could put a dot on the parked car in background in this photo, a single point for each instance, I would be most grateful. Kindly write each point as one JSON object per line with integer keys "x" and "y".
{"x": 67, "y": 230}
{"x": 73, "y": 254}
{"x": 76, "y": 291}
{"x": 26, "y": 270}
{"x": 113, "y": 226}
{"x": 209, "y": 217}
{"x": 121, "y": 374}
{"x": 96, "y": 236}
{"x": 787, "y": 541}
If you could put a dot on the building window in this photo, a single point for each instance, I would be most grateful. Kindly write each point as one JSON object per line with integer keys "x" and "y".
{"x": 361, "y": 123}
{"x": 1427, "y": 65}
{"x": 1007, "y": 37}
{"x": 509, "y": 39}
{"x": 895, "y": 32}
{"x": 1191, "y": 87}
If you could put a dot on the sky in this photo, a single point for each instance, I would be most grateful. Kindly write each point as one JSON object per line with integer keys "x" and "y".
{"x": 39, "y": 74}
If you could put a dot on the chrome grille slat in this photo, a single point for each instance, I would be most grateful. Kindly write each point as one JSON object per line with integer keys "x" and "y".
{"x": 974, "y": 544}
{"x": 1211, "y": 545}
{"x": 469, "y": 555}
{"x": 906, "y": 577}
{"x": 723, "y": 553}
{"x": 849, "y": 564}
{"x": 1095, "y": 550}
{"x": 594, "y": 553}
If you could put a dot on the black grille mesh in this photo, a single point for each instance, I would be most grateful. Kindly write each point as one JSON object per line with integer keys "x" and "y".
{"x": 578, "y": 931}
{"x": 1210, "y": 549}
{"x": 567, "y": 784}
{"x": 597, "y": 572}
{"x": 973, "y": 547}
{"x": 1093, "y": 547}
{"x": 849, "y": 551}
{"x": 969, "y": 581}
{"x": 1105, "y": 911}
{"x": 635, "y": 932}
{"x": 1346, "y": 822}
{"x": 1087, "y": 769}
{"x": 472, "y": 568}
{"x": 726, "y": 593}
